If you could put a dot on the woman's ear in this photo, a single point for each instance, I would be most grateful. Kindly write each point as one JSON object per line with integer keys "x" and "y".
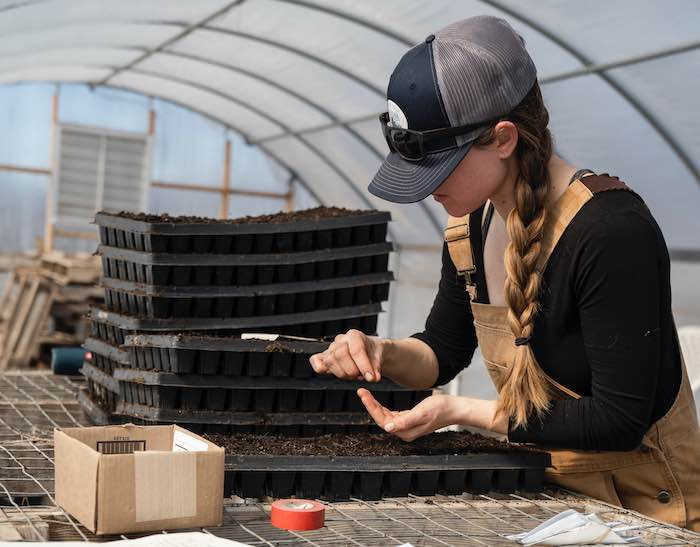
{"x": 506, "y": 139}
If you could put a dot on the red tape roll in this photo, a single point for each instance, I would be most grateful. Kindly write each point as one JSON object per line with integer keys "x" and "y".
{"x": 298, "y": 514}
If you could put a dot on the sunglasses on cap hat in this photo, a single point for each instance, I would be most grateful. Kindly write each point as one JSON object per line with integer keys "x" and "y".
{"x": 414, "y": 145}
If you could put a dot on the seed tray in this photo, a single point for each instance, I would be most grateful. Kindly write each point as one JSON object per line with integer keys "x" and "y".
{"x": 229, "y": 417}
{"x": 258, "y": 398}
{"x": 105, "y": 356}
{"x": 101, "y": 395}
{"x": 162, "y": 302}
{"x": 100, "y": 379}
{"x": 242, "y": 238}
{"x": 94, "y": 409}
{"x": 371, "y": 478}
{"x": 228, "y": 356}
{"x": 210, "y": 381}
{"x": 315, "y": 324}
{"x": 304, "y": 431}
{"x": 106, "y": 332}
{"x": 244, "y": 269}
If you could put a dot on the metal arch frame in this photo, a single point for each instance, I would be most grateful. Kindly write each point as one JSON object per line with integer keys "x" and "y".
{"x": 351, "y": 18}
{"x": 255, "y": 110}
{"x": 334, "y": 121}
{"x": 309, "y": 56}
{"x": 611, "y": 81}
{"x": 202, "y": 24}
{"x": 285, "y": 129}
{"x": 565, "y": 75}
{"x": 243, "y": 104}
{"x": 187, "y": 30}
{"x": 21, "y": 4}
{"x": 227, "y": 125}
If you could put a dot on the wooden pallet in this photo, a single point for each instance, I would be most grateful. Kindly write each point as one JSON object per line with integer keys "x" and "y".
{"x": 26, "y": 304}
{"x": 46, "y": 299}
{"x": 83, "y": 269}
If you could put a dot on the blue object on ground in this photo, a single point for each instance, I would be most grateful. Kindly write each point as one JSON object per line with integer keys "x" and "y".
{"x": 67, "y": 360}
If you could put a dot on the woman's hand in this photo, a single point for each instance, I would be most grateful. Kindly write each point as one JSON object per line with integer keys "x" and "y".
{"x": 352, "y": 356}
{"x": 434, "y": 412}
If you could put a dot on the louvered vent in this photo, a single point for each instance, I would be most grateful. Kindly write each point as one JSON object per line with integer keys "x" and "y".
{"x": 98, "y": 169}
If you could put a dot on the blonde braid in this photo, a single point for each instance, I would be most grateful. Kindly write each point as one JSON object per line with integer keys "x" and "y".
{"x": 524, "y": 388}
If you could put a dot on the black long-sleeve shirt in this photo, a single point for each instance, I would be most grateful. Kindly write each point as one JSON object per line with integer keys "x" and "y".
{"x": 605, "y": 328}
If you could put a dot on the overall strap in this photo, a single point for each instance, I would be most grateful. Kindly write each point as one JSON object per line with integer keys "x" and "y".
{"x": 460, "y": 248}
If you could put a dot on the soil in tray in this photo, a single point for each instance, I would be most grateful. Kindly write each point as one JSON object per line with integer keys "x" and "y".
{"x": 363, "y": 444}
{"x": 318, "y": 213}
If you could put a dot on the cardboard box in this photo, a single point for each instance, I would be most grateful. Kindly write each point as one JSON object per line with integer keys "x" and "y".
{"x": 128, "y": 478}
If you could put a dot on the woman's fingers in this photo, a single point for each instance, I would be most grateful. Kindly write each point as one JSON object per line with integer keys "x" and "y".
{"x": 357, "y": 349}
{"x": 318, "y": 364}
{"x": 342, "y": 361}
{"x": 405, "y": 421}
{"x": 347, "y": 357}
{"x": 379, "y": 414}
{"x": 361, "y": 360}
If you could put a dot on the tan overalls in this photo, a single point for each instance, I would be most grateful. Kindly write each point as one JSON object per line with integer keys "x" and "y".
{"x": 661, "y": 478}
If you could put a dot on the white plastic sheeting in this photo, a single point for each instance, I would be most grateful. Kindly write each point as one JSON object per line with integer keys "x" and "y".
{"x": 305, "y": 79}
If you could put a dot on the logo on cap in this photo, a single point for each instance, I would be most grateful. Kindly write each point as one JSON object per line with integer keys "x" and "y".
{"x": 396, "y": 116}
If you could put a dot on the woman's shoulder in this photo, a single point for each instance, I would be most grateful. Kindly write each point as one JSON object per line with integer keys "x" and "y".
{"x": 616, "y": 215}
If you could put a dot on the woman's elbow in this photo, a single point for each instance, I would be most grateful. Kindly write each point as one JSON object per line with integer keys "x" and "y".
{"x": 623, "y": 437}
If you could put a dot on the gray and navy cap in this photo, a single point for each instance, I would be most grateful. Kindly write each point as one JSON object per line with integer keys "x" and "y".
{"x": 469, "y": 72}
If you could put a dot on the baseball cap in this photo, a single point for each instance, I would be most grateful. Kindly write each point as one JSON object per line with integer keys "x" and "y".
{"x": 469, "y": 73}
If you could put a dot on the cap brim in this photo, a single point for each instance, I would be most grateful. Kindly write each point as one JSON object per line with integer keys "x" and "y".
{"x": 404, "y": 181}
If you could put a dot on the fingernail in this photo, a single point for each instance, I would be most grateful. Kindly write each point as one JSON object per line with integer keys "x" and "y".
{"x": 368, "y": 376}
{"x": 389, "y": 427}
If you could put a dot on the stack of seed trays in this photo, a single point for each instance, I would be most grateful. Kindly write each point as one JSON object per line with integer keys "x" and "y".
{"x": 179, "y": 292}
{"x": 234, "y": 385}
{"x": 312, "y": 273}
{"x": 104, "y": 355}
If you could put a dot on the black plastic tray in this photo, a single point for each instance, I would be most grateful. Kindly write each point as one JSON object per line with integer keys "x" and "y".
{"x": 244, "y": 269}
{"x": 163, "y": 302}
{"x": 103, "y": 379}
{"x": 105, "y": 356}
{"x": 93, "y": 409}
{"x": 210, "y": 381}
{"x": 106, "y": 332}
{"x": 371, "y": 478}
{"x": 314, "y": 324}
{"x": 230, "y": 356}
{"x": 299, "y": 430}
{"x": 213, "y": 417}
{"x": 105, "y": 398}
{"x": 222, "y": 237}
{"x": 256, "y": 398}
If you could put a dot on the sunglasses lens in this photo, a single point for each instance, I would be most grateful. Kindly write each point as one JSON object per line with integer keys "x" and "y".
{"x": 407, "y": 144}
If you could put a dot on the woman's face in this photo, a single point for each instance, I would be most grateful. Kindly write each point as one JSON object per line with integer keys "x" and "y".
{"x": 480, "y": 175}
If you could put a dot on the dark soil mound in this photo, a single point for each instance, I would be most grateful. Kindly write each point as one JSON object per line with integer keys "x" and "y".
{"x": 318, "y": 213}
{"x": 363, "y": 444}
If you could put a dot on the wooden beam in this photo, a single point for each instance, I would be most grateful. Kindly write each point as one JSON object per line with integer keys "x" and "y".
{"x": 151, "y": 122}
{"x": 77, "y": 234}
{"x": 226, "y": 193}
{"x": 23, "y": 169}
{"x": 48, "y": 215}
{"x": 290, "y": 195}
{"x": 216, "y": 189}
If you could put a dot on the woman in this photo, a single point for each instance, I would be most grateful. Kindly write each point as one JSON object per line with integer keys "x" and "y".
{"x": 565, "y": 288}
